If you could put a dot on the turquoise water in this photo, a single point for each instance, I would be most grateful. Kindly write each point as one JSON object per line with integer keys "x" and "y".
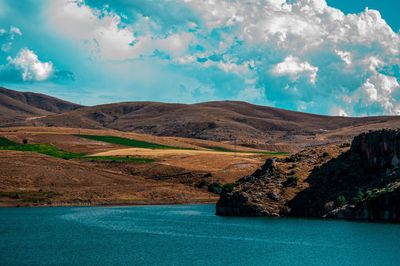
{"x": 186, "y": 235}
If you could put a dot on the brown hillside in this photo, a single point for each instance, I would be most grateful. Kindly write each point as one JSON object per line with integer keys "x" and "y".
{"x": 19, "y": 106}
{"x": 250, "y": 125}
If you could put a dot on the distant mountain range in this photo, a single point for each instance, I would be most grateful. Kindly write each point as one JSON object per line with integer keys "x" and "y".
{"x": 247, "y": 124}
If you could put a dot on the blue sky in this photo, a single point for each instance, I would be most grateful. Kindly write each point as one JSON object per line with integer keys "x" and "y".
{"x": 328, "y": 57}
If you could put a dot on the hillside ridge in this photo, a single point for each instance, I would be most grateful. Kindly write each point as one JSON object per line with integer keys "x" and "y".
{"x": 246, "y": 124}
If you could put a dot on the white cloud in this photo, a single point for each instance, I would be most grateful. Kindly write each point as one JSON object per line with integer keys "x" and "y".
{"x": 309, "y": 31}
{"x": 345, "y": 56}
{"x": 293, "y": 67}
{"x": 337, "y": 111}
{"x": 175, "y": 45}
{"x": 108, "y": 37}
{"x": 101, "y": 32}
{"x": 378, "y": 90}
{"x": 372, "y": 63}
{"x": 227, "y": 65}
{"x": 15, "y": 30}
{"x": 32, "y": 68}
{"x": 353, "y": 56}
{"x": 308, "y": 22}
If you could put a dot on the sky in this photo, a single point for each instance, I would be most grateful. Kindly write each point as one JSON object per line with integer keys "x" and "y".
{"x": 331, "y": 57}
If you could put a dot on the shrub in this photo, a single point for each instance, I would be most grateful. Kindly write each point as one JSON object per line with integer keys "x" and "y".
{"x": 359, "y": 197}
{"x": 4, "y": 142}
{"x": 325, "y": 154}
{"x": 215, "y": 188}
{"x": 228, "y": 187}
{"x": 293, "y": 180}
{"x": 207, "y": 175}
{"x": 25, "y": 141}
{"x": 292, "y": 159}
{"x": 201, "y": 184}
{"x": 341, "y": 201}
{"x": 345, "y": 145}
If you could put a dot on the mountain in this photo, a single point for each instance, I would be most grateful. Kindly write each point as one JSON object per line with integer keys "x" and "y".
{"x": 19, "y": 106}
{"x": 233, "y": 121}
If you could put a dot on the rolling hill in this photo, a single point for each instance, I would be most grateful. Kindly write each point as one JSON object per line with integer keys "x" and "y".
{"x": 20, "y": 106}
{"x": 230, "y": 121}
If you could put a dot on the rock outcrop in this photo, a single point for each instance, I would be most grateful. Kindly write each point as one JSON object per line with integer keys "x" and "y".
{"x": 267, "y": 191}
{"x": 362, "y": 182}
{"x": 249, "y": 202}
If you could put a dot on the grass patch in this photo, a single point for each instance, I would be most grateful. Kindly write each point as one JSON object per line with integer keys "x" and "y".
{"x": 128, "y": 142}
{"x": 6, "y": 144}
{"x": 218, "y": 149}
{"x": 47, "y": 149}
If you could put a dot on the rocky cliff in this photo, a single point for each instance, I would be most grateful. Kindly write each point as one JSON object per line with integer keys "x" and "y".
{"x": 362, "y": 182}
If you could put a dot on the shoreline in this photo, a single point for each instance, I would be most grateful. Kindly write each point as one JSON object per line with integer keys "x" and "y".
{"x": 139, "y": 203}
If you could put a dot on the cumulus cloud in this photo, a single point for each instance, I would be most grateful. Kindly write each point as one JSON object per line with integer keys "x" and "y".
{"x": 293, "y": 67}
{"x": 299, "y": 54}
{"x": 323, "y": 37}
{"x": 30, "y": 65}
{"x": 308, "y": 22}
{"x": 378, "y": 91}
{"x": 99, "y": 30}
{"x": 106, "y": 36}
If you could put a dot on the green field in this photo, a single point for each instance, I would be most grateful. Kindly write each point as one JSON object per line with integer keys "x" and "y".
{"x": 127, "y": 142}
{"x": 6, "y": 144}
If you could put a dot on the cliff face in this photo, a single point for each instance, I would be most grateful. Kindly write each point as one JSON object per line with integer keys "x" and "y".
{"x": 259, "y": 194}
{"x": 362, "y": 182}
{"x": 382, "y": 207}
{"x": 379, "y": 149}
{"x": 267, "y": 191}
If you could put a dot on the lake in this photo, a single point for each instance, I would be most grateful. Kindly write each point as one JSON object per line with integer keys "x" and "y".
{"x": 186, "y": 235}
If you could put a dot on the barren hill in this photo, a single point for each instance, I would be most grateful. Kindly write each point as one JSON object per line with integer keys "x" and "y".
{"x": 19, "y": 106}
{"x": 247, "y": 124}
